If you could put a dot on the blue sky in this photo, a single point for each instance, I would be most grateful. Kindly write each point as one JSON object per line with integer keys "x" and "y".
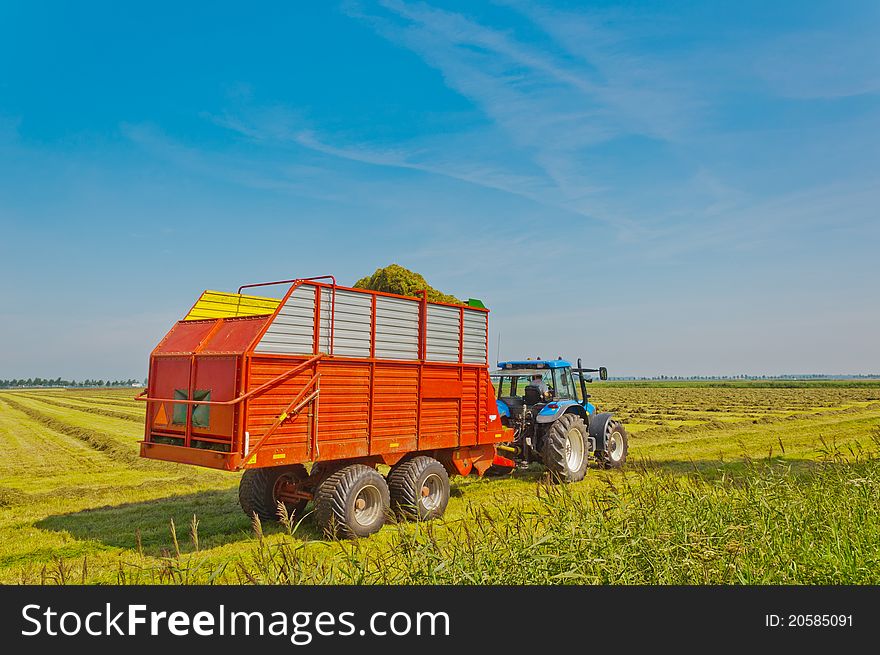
{"x": 659, "y": 187}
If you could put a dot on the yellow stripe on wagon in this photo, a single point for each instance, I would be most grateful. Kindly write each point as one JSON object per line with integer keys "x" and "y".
{"x": 219, "y": 304}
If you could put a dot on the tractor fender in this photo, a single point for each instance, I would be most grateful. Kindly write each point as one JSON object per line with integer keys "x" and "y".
{"x": 549, "y": 414}
{"x": 503, "y": 409}
{"x": 596, "y": 428}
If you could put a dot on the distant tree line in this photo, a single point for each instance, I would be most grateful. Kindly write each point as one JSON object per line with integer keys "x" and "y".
{"x": 59, "y": 382}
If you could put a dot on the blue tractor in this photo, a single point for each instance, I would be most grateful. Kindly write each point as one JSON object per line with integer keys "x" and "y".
{"x": 546, "y": 404}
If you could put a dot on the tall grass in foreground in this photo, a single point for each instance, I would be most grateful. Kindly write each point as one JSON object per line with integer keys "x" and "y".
{"x": 763, "y": 522}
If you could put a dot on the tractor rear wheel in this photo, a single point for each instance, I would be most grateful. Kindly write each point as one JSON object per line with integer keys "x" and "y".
{"x": 616, "y": 446}
{"x": 564, "y": 451}
{"x": 352, "y": 502}
{"x": 260, "y": 491}
{"x": 419, "y": 488}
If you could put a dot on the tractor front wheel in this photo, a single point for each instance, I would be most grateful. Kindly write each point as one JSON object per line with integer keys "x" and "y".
{"x": 616, "y": 446}
{"x": 564, "y": 451}
{"x": 352, "y": 502}
{"x": 419, "y": 488}
{"x": 260, "y": 491}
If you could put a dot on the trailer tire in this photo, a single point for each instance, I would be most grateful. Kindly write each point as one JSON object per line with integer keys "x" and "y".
{"x": 352, "y": 502}
{"x": 260, "y": 490}
{"x": 565, "y": 450}
{"x": 419, "y": 488}
{"x": 616, "y": 446}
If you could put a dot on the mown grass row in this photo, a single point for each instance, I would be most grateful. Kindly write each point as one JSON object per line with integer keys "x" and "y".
{"x": 109, "y": 444}
{"x": 115, "y": 400}
{"x": 662, "y": 427}
{"x": 134, "y": 416}
{"x": 710, "y": 407}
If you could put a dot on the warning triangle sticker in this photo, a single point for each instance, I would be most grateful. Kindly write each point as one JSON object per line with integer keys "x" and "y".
{"x": 161, "y": 416}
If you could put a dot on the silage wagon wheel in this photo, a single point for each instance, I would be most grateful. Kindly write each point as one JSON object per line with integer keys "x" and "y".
{"x": 419, "y": 488}
{"x": 260, "y": 491}
{"x": 353, "y": 502}
{"x": 616, "y": 445}
{"x": 564, "y": 451}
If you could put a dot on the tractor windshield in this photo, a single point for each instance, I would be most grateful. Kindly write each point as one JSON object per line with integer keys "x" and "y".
{"x": 513, "y": 384}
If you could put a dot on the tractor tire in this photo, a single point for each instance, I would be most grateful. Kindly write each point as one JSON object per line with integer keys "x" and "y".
{"x": 616, "y": 446}
{"x": 352, "y": 502}
{"x": 419, "y": 489}
{"x": 564, "y": 451}
{"x": 260, "y": 491}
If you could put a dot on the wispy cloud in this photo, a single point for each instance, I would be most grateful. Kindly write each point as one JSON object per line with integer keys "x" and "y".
{"x": 446, "y": 156}
{"x": 557, "y": 104}
{"x": 553, "y": 105}
{"x": 278, "y": 175}
{"x": 819, "y": 64}
{"x": 544, "y": 110}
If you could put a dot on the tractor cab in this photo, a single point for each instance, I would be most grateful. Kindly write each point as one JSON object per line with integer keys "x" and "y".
{"x": 547, "y": 405}
{"x": 542, "y": 383}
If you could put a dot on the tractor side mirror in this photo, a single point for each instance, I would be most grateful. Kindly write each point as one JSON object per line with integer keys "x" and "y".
{"x": 603, "y": 373}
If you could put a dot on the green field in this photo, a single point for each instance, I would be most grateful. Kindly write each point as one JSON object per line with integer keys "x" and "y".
{"x": 727, "y": 483}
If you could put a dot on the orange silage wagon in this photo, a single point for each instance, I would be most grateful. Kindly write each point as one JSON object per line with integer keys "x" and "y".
{"x": 310, "y": 392}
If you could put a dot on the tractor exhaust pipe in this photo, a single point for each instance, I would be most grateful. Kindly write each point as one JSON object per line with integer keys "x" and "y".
{"x": 584, "y": 393}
